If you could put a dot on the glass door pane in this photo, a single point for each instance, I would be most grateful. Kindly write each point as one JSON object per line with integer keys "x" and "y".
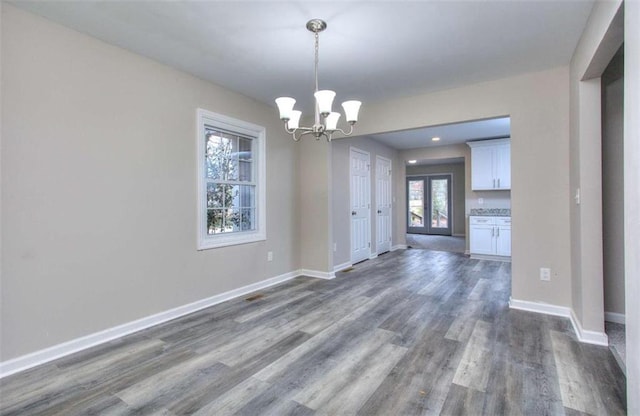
{"x": 416, "y": 204}
{"x": 439, "y": 205}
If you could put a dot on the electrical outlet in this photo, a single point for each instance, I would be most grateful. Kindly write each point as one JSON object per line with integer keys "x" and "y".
{"x": 480, "y": 201}
{"x": 545, "y": 274}
{"x": 270, "y": 256}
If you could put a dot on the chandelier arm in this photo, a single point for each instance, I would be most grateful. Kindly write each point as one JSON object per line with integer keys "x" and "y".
{"x": 305, "y": 132}
{"x": 292, "y": 132}
{"x": 346, "y": 133}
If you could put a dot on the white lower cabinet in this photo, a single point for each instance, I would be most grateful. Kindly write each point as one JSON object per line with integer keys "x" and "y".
{"x": 490, "y": 236}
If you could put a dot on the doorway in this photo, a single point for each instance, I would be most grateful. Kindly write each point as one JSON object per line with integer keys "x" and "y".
{"x": 613, "y": 229}
{"x": 429, "y": 204}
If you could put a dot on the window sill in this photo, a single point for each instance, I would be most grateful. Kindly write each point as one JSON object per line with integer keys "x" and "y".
{"x": 231, "y": 240}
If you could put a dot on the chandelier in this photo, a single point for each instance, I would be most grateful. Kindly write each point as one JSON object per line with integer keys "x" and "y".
{"x": 326, "y": 121}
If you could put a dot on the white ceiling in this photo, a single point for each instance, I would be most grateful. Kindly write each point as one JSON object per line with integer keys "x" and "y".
{"x": 448, "y": 134}
{"x": 372, "y": 50}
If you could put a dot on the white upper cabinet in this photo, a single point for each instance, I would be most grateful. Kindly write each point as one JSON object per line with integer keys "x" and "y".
{"x": 502, "y": 165}
{"x": 482, "y": 168}
{"x": 490, "y": 164}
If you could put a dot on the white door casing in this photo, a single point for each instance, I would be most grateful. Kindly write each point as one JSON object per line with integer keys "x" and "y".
{"x": 383, "y": 204}
{"x": 360, "y": 204}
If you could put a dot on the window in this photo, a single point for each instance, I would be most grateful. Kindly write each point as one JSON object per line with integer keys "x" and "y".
{"x": 231, "y": 181}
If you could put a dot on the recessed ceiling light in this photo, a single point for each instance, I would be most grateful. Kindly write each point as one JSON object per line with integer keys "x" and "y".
{"x": 411, "y": 161}
{"x": 435, "y": 139}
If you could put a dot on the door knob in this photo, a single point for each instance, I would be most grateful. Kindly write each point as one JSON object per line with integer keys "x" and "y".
{"x": 379, "y": 212}
{"x": 353, "y": 213}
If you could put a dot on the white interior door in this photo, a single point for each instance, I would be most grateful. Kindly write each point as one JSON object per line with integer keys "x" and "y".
{"x": 383, "y": 204}
{"x": 360, "y": 205}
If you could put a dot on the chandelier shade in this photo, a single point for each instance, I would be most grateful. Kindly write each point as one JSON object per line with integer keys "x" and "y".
{"x": 324, "y": 99}
{"x": 285, "y": 105}
{"x": 351, "y": 109}
{"x": 326, "y": 120}
{"x": 294, "y": 120}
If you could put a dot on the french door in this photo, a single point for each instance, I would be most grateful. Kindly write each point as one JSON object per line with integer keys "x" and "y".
{"x": 429, "y": 204}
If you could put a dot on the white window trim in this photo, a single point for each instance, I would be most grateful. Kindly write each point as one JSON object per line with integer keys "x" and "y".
{"x": 242, "y": 127}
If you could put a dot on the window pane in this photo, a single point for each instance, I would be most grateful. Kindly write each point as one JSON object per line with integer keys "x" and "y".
{"x": 222, "y": 156}
{"x": 240, "y": 220}
{"x": 247, "y": 219}
{"x": 215, "y": 221}
{"x": 230, "y": 208}
{"x": 245, "y": 159}
{"x": 215, "y": 195}
{"x": 246, "y": 196}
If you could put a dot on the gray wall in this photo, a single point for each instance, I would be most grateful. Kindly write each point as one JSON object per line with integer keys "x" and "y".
{"x": 457, "y": 190}
{"x": 341, "y": 193}
{"x": 613, "y": 184}
{"x": 99, "y": 188}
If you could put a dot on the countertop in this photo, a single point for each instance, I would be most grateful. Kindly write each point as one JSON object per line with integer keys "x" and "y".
{"x": 490, "y": 212}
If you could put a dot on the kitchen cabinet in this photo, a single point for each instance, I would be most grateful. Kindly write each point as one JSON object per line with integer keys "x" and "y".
{"x": 490, "y": 164}
{"x": 490, "y": 236}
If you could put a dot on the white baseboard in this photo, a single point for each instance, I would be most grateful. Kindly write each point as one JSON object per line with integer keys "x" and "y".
{"x": 399, "y": 247}
{"x": 544, "y": 308}
{"x": 489, "y": 257}
{"x": 458, "y": 235}
{"x": 616, "y": 318}
{"x": 57, "y": 351}
{"x": 588, "y": 337}
{"x": 342, "y": 266}
{"x": 316, "y": 273}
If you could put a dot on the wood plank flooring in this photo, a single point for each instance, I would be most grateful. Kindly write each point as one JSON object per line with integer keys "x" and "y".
{"x": 410, "y": 333}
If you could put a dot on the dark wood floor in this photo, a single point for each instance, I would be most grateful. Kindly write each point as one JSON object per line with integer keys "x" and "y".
{"x": 412, "y": 332}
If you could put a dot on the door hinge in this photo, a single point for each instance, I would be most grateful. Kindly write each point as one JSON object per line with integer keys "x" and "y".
{"x": 369, "y": 244}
